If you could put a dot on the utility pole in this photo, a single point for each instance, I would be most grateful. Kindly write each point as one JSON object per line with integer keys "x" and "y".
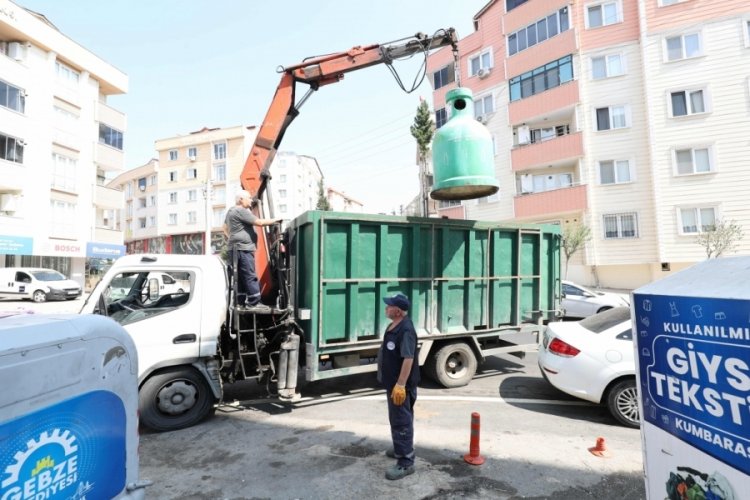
{"x": 207, "y": 194}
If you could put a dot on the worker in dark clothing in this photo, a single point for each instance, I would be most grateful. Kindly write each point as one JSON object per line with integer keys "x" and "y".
{"x": 398, "y": 371}
{"x": 239, "y": 228}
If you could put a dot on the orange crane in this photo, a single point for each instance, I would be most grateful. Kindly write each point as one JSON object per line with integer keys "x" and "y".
{"x": 315, "y": 72}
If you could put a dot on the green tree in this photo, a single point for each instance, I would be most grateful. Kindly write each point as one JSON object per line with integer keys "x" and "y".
{"x": 722, "y": 237}
{"x": 574, "y": 237}
{"x": 422, "y": 130}
{"x": 323, "y": 203}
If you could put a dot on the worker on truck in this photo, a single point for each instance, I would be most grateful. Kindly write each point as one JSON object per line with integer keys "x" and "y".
{"x": 240, "y": 232}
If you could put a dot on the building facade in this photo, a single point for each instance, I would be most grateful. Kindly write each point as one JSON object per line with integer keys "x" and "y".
{"x": 295, "y": 184}
{"x": 625, "y": 116}
{"x": 59, "y": 142}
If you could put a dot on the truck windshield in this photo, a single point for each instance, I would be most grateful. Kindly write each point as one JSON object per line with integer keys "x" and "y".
{"x": 48, "y": 275}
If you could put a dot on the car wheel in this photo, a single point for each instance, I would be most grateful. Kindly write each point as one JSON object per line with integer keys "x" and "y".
{"x": 622, "y": 401}
{"x": 39, "y": 296}
{"x": 602, "y": 309}
{"x": 175, "y": 399}
{"x": 453, "y": 365}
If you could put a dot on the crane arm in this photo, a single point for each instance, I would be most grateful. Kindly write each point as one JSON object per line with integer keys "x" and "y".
{"x": 284, "y": 108}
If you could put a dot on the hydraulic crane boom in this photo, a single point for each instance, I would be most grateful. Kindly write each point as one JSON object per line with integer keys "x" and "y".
{"x": 284, "y": 109}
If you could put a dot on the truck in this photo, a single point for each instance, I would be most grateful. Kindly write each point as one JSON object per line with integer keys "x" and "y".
{"x": 68, "y": 408}
{"x": 477, "y": 288}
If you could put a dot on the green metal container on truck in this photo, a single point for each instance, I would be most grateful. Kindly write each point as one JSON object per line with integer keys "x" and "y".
{"x": 477, "y": 288}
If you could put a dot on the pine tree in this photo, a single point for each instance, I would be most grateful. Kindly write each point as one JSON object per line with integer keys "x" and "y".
{"x": 323, "y": 203}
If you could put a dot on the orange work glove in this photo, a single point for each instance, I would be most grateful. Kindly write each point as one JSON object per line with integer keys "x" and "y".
{"x": 398, "y": 395}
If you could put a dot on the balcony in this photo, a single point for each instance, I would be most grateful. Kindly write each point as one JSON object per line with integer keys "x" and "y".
{"x": 525, "y": 110}
{"x": 530, "y": 11}
{"x": 108, "y": 158}
{"x": 551, "y": 152}
{"x": 105, "y": 235}
{"x": 550, "y": 50}
{"x": 105, "y": 197}
{"x": 548, "y": 203}
{"x": 111, "y": 117}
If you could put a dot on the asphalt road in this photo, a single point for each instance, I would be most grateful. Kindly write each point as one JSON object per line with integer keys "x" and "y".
{"x": 331, "y": 444}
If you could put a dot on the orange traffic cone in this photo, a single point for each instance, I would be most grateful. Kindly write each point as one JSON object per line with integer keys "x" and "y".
{"x": 473, "y": 457}
{"x": 600, "y": 450}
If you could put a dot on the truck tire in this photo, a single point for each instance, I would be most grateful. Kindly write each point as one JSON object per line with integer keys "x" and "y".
{"x": 622, "y": 402}
{"x": 453, "y": 365}
{"x": 174, "y": 399}
{"x": 39, "y": 296}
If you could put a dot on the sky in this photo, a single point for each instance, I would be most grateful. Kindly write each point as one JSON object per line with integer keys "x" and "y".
{"x": 194, "y": 64}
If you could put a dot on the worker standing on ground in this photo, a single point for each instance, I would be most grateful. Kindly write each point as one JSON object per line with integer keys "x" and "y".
{"x": 240, "y": 232}
{"x": 399, "y": 373}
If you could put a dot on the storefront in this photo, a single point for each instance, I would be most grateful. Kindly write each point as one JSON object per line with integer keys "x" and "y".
{"x": 99, "y": 258}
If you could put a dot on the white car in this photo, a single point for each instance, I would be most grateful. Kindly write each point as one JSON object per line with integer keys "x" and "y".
{"x": 593, "y": 359}
{"x": 580, "y": 302}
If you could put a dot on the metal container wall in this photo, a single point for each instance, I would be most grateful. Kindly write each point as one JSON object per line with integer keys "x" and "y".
{"x": 461, "y": 276}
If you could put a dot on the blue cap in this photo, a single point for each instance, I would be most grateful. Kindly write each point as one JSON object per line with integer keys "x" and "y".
{"x": 399, "y": 300}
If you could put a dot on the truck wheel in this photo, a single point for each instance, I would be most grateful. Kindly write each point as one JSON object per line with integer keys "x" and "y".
{"x": 454, "y": 365}
{"x": 174, "y": 399}
{"x": 622, "y": 401}
{"x": 39, "y": 296}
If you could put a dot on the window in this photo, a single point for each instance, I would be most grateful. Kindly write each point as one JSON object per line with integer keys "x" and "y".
{"x": 603, "y": 14}
{"x": 685, "y": 102}
{"x": 142, "y": 202}
{"x": 110, "y": 137}
{"x": 66, "y": 114}
{"x": 666, "y": 3}
{"x": 618, "y": 226}
{"x": 64, "y": 172}
{"x": 481, "y": 61}
{"x": 692, "y": 161}
{"x": 696, "y": 220}
{"x": 129, "y": 208}
{"x": 543, "y": 78}
{"x": 192, "y": 153}
{"x": 66, "y": 73}
{"x": 63, "y": 219}
{"x": 512, "y": 4}
{"x": 220, "y": 151}
{"x": 152, "y": 221}
{"x": 219, "y": 195}
{"x": 192, "y": 195}
{"x": 142, "y": 222}
{"x": 191, "y": 173}
{"x": 441, "y": 117}
{"x": 173, "y": 154}
{"x": 218, "y": 217}
{"x": 282, "y": 209}
{"x": 539, "y": 31}
{"x": 173, "y": 197}
{"x": 613, "y": 117}
{"x": 443, "y": 77}
{"x": 172, "y": 220}
{"x": 152, "y": 200}
{"x": 173, "y": 176}
{"x": 152, "y": 180}
{"x": 12, "y": 97}
{"x": 11, "y": 148}
{"x": 484, "y": 106}
{"x": 191, "y": 217}
{"x": 174, "y": 291}
{"x": 220, "y": 172}
{"x": 282, "y": 193}
{"x": 529, "y": 183}
{"x": 282, "y": 178}
{"x": 683, "y": 47}
{"x": 614, "y": 172}
{"x": 607, "y": 66}
{"x": 547, "y": 133}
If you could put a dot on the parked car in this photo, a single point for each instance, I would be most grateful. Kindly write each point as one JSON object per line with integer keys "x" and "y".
{"x": 37, "y": 284}
{"x": 580, "y": 302}
{"x": 593, "y": 359}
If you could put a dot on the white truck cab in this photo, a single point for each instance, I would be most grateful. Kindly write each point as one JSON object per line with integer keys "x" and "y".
{"x": 68, "y": 409}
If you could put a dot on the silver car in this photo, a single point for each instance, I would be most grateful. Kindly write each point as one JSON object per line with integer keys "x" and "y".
{"x": 580, "y": 302}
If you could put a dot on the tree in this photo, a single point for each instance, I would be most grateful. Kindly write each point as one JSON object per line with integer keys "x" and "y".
{"x": 722, "y": 237}
{"x": 422, "y": 130}
{"x": 323, "y": 203}
{"x": 574, "y": 236}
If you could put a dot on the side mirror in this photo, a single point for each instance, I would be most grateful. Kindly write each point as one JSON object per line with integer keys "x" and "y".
{"x": 153, "y": 288}
{"x": 564, "y": 295}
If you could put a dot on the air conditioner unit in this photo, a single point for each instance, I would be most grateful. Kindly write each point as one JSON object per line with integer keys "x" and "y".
{"x": 484, "y": 72}
{"x": 191, "y": 157}
{"x": 8, "y": 202}
{"x": 15, "y": 51}
{"x": 524, "y": 134}
{"x": 482, "y": 118}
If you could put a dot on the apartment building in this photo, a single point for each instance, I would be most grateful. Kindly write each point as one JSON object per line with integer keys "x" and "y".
{"x": 174, "y": 202}
{"x": 626, "y": 116}
{"x": 59, "y": 142}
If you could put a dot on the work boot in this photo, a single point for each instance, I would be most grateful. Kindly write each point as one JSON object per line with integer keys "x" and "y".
{"x": 391, "y": 453}
{"x": 397, "y": 472}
